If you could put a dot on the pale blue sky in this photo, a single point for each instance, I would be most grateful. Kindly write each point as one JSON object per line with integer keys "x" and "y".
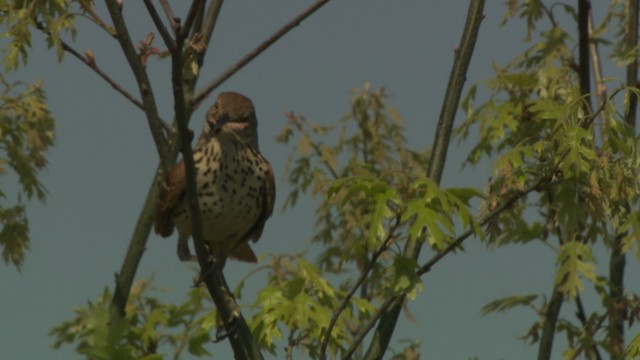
{"x": 104, "y": 160}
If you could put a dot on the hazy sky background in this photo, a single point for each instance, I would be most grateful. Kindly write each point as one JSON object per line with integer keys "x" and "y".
{"x": 104, "y": 161}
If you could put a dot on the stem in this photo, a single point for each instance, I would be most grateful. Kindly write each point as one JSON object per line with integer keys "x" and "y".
{"x": 242, "y": 341}
{"x": 129, "y": 267}
{"x": 584, "y": 7}
{"x": 549, "y": 324}
{"x": 617, "y": 261}
{"x": 457, "y": 78}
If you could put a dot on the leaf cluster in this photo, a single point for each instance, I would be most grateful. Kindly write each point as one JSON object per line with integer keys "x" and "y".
{"x": 26, "y": 133}
{"x": 149, "y": 327}
{"x": 536, "y": 124}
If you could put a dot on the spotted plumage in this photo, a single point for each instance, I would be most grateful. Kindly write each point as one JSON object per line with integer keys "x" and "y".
{"x": 234, "y": 182}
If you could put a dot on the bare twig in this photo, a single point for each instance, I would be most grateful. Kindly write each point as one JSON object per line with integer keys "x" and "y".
{"x": 601, "y": 88}
{"x": 90, "y": 61}
{"x": 583, "y": 52}
{"x": 134, "y": 253}
{"x": 202, "y": 94}
{"x": 164, "y": 33}
{"x": 196, "y": 7}
{"x": 170, "y": 16}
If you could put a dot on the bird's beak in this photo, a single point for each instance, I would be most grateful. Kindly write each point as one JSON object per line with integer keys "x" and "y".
{"x": 224, "y": 122}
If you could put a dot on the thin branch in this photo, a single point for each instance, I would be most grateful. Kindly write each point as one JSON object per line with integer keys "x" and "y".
{"x": 582, "y": 316}
{"x": 90, "y": 61}
{"x": 240, "y": 337}
{"x": 617, "y": 260}
{"x": 129, "y": 267}
{"x": 549, "y": 324}
{"x": 584, "y": 7}
{"x": 345, "y": 302}
{"x": 457, "y": 78}
{"x": 201, "y": 95}
{"x": 170, "y": 16}
{"x": 601, "y": 88}
{"x": 142, "y": 79}
{"x": 196, "y": 7}
{"x": 483, "y": 221}
{"x": 204, "y": 25}
{"x": 164, "y": 33}
{"x": 398, "y": 300}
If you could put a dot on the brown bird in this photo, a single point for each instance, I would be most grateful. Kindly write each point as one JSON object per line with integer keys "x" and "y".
{"x": 235, "y": 184}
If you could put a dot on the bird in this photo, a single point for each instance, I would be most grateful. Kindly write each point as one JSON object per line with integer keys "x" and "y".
{"x": 235, "y": 185}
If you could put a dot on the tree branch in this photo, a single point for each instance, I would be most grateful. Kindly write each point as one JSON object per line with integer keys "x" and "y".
{"x": 90, "y": 61}
{"x": 617, "y": 260}
{"x": 201, "y": 95}
{"x": 549, "y": 324}
{"x": 142, "y": 79}
{"x": 457, "y": 78}
{"x": 240, "y": 337}
{"x": 191, "y": 15}
{"x": 164, "y": 33}
{"x": 170, "y": 16}
{"x": 129, "y": 267}
{"x": 584, "y": 7}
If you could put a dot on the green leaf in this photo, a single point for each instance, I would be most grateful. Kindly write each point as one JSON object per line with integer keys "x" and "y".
{"x": 508, "y": 303}
{"x": 575, "y": 261}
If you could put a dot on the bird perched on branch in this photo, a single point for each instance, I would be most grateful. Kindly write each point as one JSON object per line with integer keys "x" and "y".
{"x": 235, "y": 184}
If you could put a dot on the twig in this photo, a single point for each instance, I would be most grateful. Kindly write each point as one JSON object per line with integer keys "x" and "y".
{"x": 142, "y": 79}
{"x": 201, "y": 95}
{"x": 91, "y": 63}
{"x": 129, "y": 267}
{"x": 240, "y": 337}
{"x": 191, "y": 15}
{"x": 170, "y": 16}
{"x": 164, "y": 33}
{"x": 549, "y": 324}
{"x": 583, "y": 52}
{"x": 582, "y": 316}
{"x": 345, "y": 302}
{"x": 601, "y": 88}
{"x": 483, "y": 221}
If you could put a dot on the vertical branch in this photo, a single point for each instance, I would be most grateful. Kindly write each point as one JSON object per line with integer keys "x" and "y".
{"x": 584, "y": 72}
{"x": 457, "y": 78}
{"x": 240, "y": 337}
{"x": 142, "y": 79}
{"x": 549, "y": 324}
{"x": 601, "y": 88}
{"x": 124, "y": 279}
{"x": 617, "y": 260}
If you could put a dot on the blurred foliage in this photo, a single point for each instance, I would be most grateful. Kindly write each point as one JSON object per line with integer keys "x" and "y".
{"x": 19, "y": 18}
{"x": 26, "y": 133}
{"x": 536, "y": 125}
{"x": 149, "y": 327}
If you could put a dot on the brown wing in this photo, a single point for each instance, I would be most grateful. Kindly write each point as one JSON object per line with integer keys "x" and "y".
{"x": 269, "y": 198}
{"x": 172, "y": 190}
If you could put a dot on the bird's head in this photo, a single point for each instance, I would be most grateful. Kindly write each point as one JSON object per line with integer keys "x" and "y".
{"x": 232, "y": 115}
